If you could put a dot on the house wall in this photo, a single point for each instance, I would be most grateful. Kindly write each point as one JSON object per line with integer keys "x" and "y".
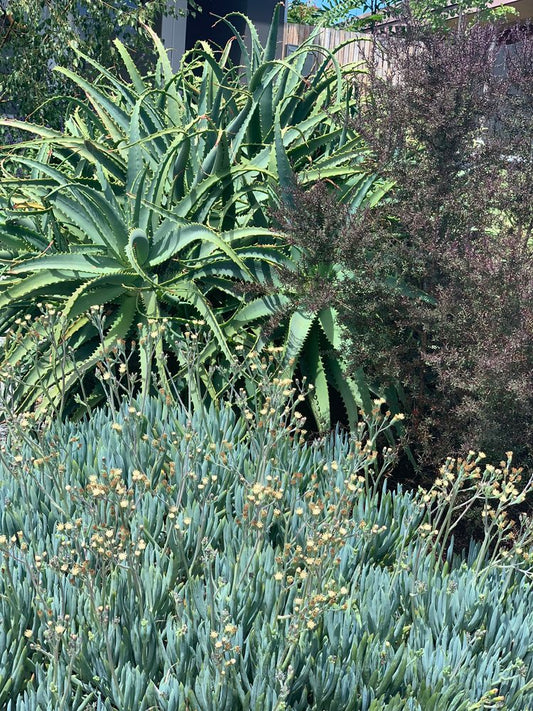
{"x": 173, "y": 33}
{"x": 180, "y": 34}
{"x": 524, "y": 8}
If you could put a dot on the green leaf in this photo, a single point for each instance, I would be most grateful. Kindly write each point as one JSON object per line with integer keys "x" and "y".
{"x": 77, "y": 265}
{"x": 312, "y": 367}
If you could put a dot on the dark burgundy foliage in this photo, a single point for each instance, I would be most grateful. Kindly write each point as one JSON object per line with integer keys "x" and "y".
{"x": 438, "y": 287}
{"x": 313, "y": 227}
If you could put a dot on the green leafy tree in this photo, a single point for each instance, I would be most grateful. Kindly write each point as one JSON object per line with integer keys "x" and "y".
{"x": 36, "y": 35}
{"x": 303, "y": 12}
{"x": 344, "y": 14}
{"x": 363, "y": 15}
{"x": 441, "y": 15}
{"x": 355, "y": 14}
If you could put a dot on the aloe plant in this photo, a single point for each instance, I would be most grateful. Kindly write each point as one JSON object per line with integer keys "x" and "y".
{"x": 156, "y": 199}
{"x": 141, "y": 268}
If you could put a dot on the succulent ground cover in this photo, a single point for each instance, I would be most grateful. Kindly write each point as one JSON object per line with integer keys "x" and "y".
{"x": 159, "y": 558}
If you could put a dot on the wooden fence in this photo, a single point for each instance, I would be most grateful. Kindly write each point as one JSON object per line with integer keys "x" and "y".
{"x": 358, "y": 48}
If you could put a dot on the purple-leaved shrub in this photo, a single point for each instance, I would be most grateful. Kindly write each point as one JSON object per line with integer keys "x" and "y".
{"x": 436, "y": 292}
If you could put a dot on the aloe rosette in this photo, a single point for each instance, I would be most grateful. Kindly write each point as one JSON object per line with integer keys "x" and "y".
{"x": 154, "y": 201}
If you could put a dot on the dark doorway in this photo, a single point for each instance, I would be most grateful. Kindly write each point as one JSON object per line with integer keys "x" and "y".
{"x": 206, "y": 25}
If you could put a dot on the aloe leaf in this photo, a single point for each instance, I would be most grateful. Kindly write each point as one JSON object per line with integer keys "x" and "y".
{"x": 42, "y": 167}
{"x": 114, "y": 119}
{"x": 272, "y": 39}
{"x": 206, "y": 193}
{"x": 188, "y": 292}
{"x": 176, "y": 240}
{"x": 17, "y": 236}
{"x": 103, "y": 158}
{"x": 131, "y": 68}
{"x": 12, "y": 291}
{"x": 328, "y": 319}
{"x": 139, "y": 244}
{"x": 244, "y": 53}
{"x": 91, "y": 211}
{"x": 42, "y": 131}
{"x": 97, "y": 292}
{"x": 153, "y": 313}
{"x": 238, "y": 127}
{"x": 260, "y": 308}
{"x": 164, "y": 66}
{"x": 140, "y": 216}
{"x": 312, "y": 367}
{"x": 66, "y": 376}
{"x": 309, "y": 177}
{"x": 179, "y": 169}
{"x": 310, "y": 146}
{"x": 163, "y": 60}
{"x": 284, "y": 171}
{"x": 76, "y": 265}
{"x": 299, "y": 326}
{"x": 135, "y": 163}
{"x": 251, "y": 236}
{"x": 117, "y": 86}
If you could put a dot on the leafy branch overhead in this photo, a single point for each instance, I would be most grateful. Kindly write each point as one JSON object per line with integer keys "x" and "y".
{"x": 362, "y": 15}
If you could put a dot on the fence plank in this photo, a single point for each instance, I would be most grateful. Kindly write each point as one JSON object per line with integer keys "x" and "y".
{"x": 356, "y": 47}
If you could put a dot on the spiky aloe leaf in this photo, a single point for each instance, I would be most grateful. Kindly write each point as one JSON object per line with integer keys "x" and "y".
{"x": 312, "y": 368}
{"x": 191, "y": 160}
